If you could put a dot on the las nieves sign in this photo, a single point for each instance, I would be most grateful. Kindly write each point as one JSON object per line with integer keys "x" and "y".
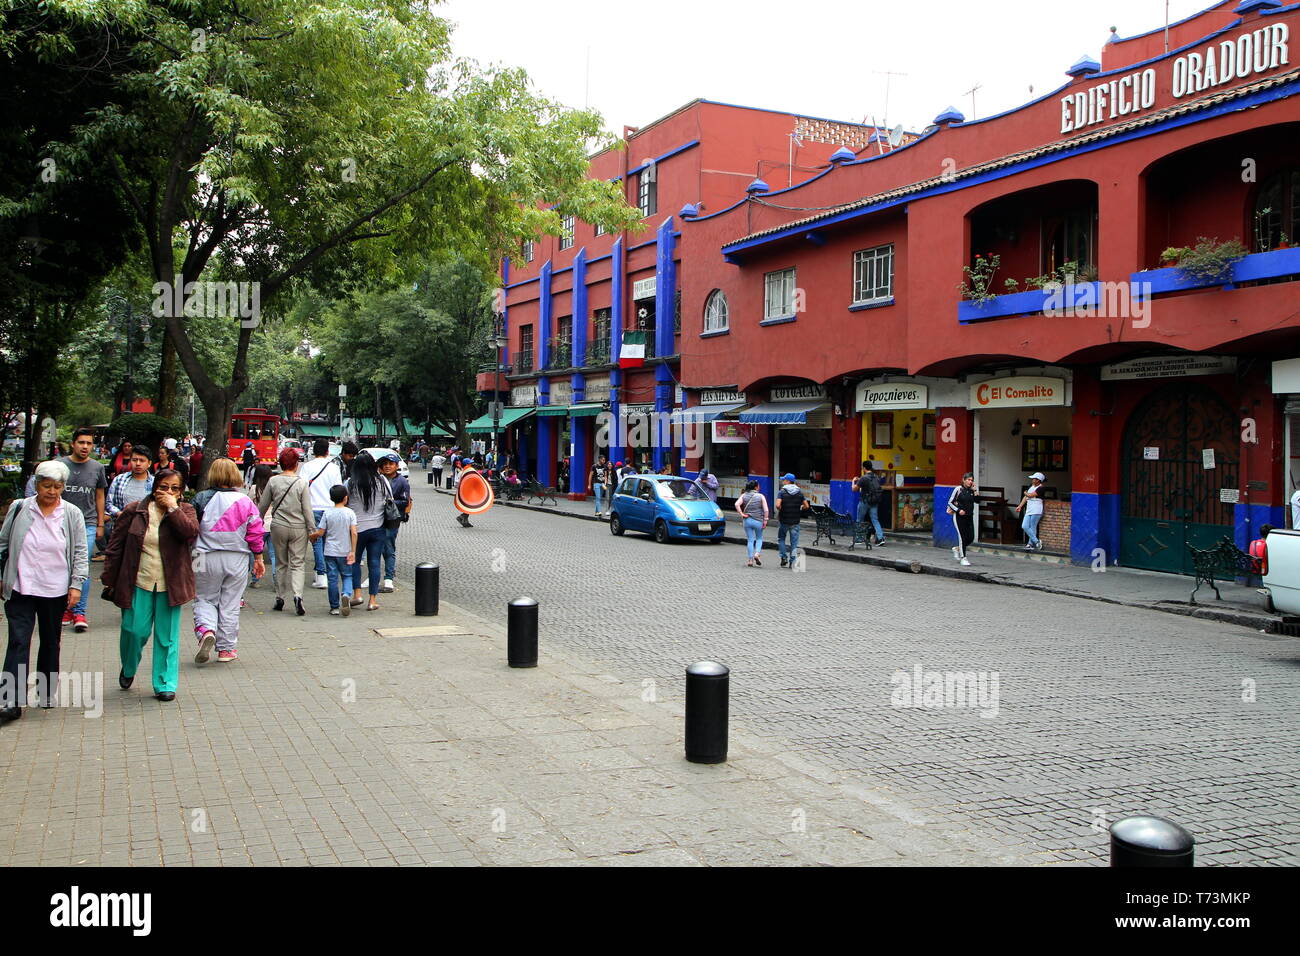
{"x": 1214, "y": 65}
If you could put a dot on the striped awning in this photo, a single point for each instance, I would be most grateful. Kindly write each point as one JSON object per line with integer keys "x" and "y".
{"x": 702, "y": 413}
{"x": 781, "y": 413}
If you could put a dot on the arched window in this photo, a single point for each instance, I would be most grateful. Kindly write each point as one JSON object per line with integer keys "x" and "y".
{"x": 715, "y": 312}
{"x": 1276, "y": 218}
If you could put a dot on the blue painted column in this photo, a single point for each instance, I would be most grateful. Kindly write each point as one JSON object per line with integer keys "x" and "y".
{"x": 545, "y": 425}
{"x": 665, "y": 298}
{"x": 580, "y": 317}
{"x": 618, "y": 276}
{"x": 580, "y": 430}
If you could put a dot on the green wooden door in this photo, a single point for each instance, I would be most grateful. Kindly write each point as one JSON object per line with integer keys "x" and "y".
{"x": 1171, "y": 499}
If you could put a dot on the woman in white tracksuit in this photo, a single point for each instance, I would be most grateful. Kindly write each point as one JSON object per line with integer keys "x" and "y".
{"x": 230, "y": 529}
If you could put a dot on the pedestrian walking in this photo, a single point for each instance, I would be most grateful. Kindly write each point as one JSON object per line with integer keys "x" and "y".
{"x": 168, "y": 458}
{"x": 230, "y": 530}
{"x": 709, "y": 482}
{"x": 338, "y": 532}
{"x": 752, "y": 508}
{"x": 473, "y": 494}
{"x": 322, "y": 474}
{"x": 368, "y": 493}
{"x": 870, "y": 492}
{"x": 347, "y": 456}
{"x": 790, "y": 508}
{"x": 132, "y": 485}
{"x": 248, "y": 460}
{"x": 121, "y": 460}
{"x": 261, "y": 476}
{"x": 44, "y": 554}
{"x": 86, "y": 486}
{"x": 401, "y": 489}
{"x": 287, "y": 498}
{"x": 961, "y": 505}
{"x": 149, "y": 574}
{"x": 196, "y": 465}
{"x": 1032, "y": 505}
{"x": 598, "y": 483}
{"x": 437, "y": 463}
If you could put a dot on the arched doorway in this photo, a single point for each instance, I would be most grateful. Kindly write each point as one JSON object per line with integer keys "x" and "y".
{"x": 1171, "y": 485}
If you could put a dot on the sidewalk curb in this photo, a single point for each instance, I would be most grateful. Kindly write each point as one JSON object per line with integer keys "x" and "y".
{"x": 1258, "y": 621}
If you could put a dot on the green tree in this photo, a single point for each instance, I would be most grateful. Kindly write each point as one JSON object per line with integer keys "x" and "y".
{"x": 324, "y": 140}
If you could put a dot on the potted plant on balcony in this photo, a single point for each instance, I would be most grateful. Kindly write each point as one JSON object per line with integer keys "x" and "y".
{"x": 1283, "y": 241}
{"x": 1173, "y": 254}
{"x": 979, "y": 279}
{"x": 1209, "y": 262}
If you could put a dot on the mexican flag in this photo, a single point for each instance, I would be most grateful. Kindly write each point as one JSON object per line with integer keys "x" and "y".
{"x": 632, "y": 352}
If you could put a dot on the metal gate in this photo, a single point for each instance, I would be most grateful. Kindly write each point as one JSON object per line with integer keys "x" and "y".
{"x": 1180, "y": 451}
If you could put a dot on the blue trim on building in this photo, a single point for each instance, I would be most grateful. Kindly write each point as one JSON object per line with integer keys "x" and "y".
{"x": 516, "y": 285}
{"x": 1003, "y": 172}
{"x": 864, "y": 306}
{"x": 580, "y": 318}
{"x": 945, "y": 533}
{"x": 843, "y": 499}
{"x": 544, "y": 320}
{"x": 618, "y": 276}
{"x": 781, "y": 320}
{"x": 656, "y": 160}
{"x": 767, "y": 489}
{"x": 1248, "y": 519}
{"x": 715, "y": 333}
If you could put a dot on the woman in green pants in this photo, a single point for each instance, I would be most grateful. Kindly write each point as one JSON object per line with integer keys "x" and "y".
{"x": 148, "y": 570}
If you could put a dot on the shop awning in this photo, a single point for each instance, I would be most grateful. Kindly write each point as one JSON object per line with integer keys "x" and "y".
{"x": 483, "y": 423}
{"x": 781, "y": 413}
{"x": 702, "y": 413}
{"x": 585, "y": 411}
{"x": 552, "y": 411}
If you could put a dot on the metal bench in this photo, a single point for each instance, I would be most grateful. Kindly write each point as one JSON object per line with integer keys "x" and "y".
{"x": 831, "y": 523}
{"x": 1225, "y": 558}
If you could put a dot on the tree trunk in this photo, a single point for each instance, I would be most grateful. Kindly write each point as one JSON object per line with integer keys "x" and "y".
{"x": 218, "y": 405}
{"x": 167, "y": 377}
{"x": 397, "y": 414}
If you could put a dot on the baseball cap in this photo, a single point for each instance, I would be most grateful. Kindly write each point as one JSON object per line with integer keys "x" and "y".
{"x": 391, "y": 456}
{"x": 788, "y": 477}
{"x": 1039, "y": 475}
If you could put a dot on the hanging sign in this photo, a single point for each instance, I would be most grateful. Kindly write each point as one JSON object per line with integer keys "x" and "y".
{"x": 1207, "y": 458}
{"x": 721, "y": 396}
{"x": 643, "y": 289}
{"x": 1169, "y": 366}
{"x": 798, "y": 393}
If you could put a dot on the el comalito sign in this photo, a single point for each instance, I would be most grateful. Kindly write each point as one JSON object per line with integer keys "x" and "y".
{"x": 1215, "y": 64}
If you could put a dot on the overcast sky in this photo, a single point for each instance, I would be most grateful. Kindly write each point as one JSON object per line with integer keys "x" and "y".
{"x": 816, "y": 58}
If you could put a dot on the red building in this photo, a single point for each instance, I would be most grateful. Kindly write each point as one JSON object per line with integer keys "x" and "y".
{"x": 570, "y": 299}
{"x": 1146, "y": 392}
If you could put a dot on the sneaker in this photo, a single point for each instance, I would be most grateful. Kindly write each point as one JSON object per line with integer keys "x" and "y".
{"x": 387, "y": 586}
{"x": 1028, "y": 547}
{"x": 225, "y": 657}
{"x": 207, "y": 641}
{"x": 880, "y": 543}
{"x": 67, "y": 618}
{"x": 965, "y": 562}
{"x": 1040, "y": 546}
{"x": 345, "y": 607}
{"x": 79, "y": 623}
{"x": 335, "y": 612}
{"x": 319, "y": 582}
{"x": 784, "y": 562}
{"x": 956, "y": 553}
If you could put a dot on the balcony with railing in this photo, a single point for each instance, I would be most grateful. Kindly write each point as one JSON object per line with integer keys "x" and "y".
{"x": 598, "y": 351}
{"x": 561, "y": 354}
{"x": 492, "y": 378}
{"x": 523, "y": 363}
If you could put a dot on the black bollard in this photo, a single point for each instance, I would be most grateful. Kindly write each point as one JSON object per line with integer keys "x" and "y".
{"x": 1150, "y": 841}
{"x": 426, "y": 590}
{"x": 521, "y": 632}
{"x": 707, "y": 688}
{"x": 428, "y": 479}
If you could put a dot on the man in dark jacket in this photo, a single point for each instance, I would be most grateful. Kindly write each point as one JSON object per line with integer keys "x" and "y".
{"x": 791, "y": 505}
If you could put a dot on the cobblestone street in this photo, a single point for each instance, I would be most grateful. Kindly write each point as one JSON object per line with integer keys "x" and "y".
{"x": 1104, "y": 711}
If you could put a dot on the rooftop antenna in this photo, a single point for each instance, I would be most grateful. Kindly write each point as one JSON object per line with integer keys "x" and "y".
{"x": 896, "y": 136}
{"x": 1166, "y": 26}
{"x": 888, "y": 75}
{"x": 971, "y": 93}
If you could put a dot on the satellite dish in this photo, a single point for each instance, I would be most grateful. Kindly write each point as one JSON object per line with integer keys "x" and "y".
{"x": 896, "y": 135}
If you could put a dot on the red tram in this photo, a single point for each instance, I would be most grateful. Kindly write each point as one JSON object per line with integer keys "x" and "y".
{"x": 256, "y": 427}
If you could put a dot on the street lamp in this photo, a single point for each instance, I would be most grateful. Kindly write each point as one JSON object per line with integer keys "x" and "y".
{"x": 499, "y": 342}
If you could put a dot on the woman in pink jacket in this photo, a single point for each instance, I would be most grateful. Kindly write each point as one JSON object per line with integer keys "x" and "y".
{"x": 230, "y": 528}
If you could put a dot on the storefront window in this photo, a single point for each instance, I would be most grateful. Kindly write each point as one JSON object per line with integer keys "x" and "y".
{"x": 729, "y": 459}
{"x": 806, "y": 452}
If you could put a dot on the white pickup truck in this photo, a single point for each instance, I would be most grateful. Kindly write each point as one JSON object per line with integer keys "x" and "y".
{"x": 1283, "y": 578}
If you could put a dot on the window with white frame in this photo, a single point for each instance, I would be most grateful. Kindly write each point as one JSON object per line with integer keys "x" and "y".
{"x": 600, "y": 230}
{"x": 873, "y": 274}
{"x": 715, "y": 312}
{"x": 566, "y": 232}
{"x": 647, "y": 192}
{"x": 778, "y": 294}
{"x": 528, "y": 250}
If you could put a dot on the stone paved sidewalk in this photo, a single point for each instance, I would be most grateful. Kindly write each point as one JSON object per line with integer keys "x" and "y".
{"x": 1125, "y": 586}
{"x": 329, "y": 744}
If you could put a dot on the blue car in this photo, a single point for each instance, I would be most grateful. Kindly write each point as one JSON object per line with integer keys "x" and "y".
{"x": 666, "y": 507}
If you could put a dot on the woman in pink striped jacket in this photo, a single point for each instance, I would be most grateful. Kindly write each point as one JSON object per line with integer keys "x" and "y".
{"x": 230, "y": 528}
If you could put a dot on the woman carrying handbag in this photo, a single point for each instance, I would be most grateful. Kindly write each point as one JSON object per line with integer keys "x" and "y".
{"x": 287, "y": 497}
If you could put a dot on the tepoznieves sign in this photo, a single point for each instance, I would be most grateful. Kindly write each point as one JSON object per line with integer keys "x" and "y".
{"x": 1216, "y": 64}
{"x": 1017, "y": 392}
{"x": 892, "y": 395}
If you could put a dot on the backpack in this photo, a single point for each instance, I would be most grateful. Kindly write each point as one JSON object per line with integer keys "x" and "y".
{"x": 873, "y": 489}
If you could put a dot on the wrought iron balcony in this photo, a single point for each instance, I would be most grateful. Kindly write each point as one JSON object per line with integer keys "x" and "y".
{"x": 561, "y": 354}
{"x": 523, "y": 363}
{"x": 598, "y": 351}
